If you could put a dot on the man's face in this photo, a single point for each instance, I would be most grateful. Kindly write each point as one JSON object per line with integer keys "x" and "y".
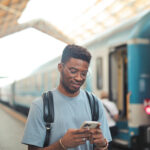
{"x": 73, "y": 74}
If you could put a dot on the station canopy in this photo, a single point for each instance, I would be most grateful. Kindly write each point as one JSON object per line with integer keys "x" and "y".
{"x": 71, "y": 21}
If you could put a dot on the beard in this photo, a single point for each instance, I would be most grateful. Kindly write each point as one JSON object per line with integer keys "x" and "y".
{"x": 68, "y": 89}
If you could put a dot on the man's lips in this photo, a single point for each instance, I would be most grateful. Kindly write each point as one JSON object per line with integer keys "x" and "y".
{"x": 75, "y": 85}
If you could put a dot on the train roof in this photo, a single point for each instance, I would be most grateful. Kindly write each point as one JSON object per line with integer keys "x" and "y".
{"x": 133, "y": 28}
{"x": 137, "y": 27}
{"x": 50, "y": 65}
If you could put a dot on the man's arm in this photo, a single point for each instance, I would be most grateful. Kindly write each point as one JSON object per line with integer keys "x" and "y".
{"x": 98, "y": 139}
{"x": 72, "y": 138}
{"x": 55, "y": 146}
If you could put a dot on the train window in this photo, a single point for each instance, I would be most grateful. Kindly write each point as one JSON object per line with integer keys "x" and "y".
{"x": 38, "y": 82}
{"x": 54, "y": 78}
{"x": 46, "y": 77}
{"x": 84, "y": 85}
{"x": 99, "y": 73}
{"x": 32, "y": 83}
{"x": 25, "y": 84}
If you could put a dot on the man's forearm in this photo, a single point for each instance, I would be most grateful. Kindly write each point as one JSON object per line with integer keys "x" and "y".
{"x": 55, "y": 146}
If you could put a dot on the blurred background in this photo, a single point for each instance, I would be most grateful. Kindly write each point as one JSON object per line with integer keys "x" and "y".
{"x": 33, "y": 34}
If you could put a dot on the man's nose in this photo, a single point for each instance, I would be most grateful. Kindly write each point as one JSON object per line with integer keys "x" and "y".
{"x": 78, "y": 76}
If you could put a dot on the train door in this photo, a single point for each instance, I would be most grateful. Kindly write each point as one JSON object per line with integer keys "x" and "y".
{"x": 118, "y": 79}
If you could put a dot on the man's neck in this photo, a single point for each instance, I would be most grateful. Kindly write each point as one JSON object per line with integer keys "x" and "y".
{"x": 63, "y": 91}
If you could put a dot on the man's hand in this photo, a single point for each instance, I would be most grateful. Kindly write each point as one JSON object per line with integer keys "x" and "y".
{"x": 97, "y": 138}
{"x": 75, "y": 137}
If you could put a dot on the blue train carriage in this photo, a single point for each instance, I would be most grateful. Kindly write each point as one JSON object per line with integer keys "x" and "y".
{"x": 7, "y": 94}
{"x": 31, "y": 87}
{"x": 121, "y": 66}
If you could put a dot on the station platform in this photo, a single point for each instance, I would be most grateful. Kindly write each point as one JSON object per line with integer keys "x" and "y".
{"x": 11, "y": 129}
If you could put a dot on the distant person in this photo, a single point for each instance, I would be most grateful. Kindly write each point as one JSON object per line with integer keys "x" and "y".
{"x": 112, "y": 112}
{"x": 71, "y": 108}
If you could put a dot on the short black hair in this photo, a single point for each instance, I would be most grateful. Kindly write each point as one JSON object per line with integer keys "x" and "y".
{"x": 75, "y": 51}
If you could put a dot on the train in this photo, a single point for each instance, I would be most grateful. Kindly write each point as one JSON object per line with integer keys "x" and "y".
{"x": 120, "y": 65}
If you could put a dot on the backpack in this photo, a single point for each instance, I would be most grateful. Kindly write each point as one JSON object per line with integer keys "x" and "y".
{"x": 48, "y": 111}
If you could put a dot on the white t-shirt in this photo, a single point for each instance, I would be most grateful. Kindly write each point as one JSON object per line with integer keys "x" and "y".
{"x": 113, "y": 110}
{"x": 69, "y": 113}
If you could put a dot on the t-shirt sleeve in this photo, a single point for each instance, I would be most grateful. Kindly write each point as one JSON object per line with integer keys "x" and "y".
{"x": 34, "y": 133}
{"x": 103, "y": 120}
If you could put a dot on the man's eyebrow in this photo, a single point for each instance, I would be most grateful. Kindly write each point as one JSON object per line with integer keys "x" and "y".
{"x": 77, "y": 69}
{"x": 73, "y": 68}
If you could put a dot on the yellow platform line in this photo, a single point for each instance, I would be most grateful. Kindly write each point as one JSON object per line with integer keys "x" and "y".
{"x": 14, "y": 113}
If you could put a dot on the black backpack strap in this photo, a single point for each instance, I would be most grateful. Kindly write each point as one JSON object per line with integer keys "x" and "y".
{"x": 93, "y": 105}
{"x": 48, "y": 114}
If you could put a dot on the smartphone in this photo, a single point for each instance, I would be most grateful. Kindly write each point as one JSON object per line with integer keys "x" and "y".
{"x": 90, "y": 124}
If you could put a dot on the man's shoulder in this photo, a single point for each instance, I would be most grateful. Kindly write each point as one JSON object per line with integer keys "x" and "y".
{"x": 95, "y": 97}
{"x": 82, "y": 91}
{"x": 38, "y": 101}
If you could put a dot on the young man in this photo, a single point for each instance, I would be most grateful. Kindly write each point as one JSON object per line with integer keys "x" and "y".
{"x": 71, "y": 108}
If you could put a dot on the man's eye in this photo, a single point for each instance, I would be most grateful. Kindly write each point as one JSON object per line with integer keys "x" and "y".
{"x": 84, "y": 73}
{"x": 73, "y": 71}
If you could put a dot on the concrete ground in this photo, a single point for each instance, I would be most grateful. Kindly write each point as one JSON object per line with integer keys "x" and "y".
{"x": 11, "y": 130}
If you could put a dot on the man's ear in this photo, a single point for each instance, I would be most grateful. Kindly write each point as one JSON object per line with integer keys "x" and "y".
{"x": 60, "y": 67}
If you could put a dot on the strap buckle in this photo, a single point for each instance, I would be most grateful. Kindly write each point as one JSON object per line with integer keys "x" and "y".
{"x": 48, "y": 126}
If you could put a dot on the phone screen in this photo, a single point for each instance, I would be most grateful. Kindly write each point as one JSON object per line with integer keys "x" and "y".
{"x": 90, "y": 124}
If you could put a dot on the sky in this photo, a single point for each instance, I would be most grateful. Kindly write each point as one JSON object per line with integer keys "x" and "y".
{"x": 24, "y": 51}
